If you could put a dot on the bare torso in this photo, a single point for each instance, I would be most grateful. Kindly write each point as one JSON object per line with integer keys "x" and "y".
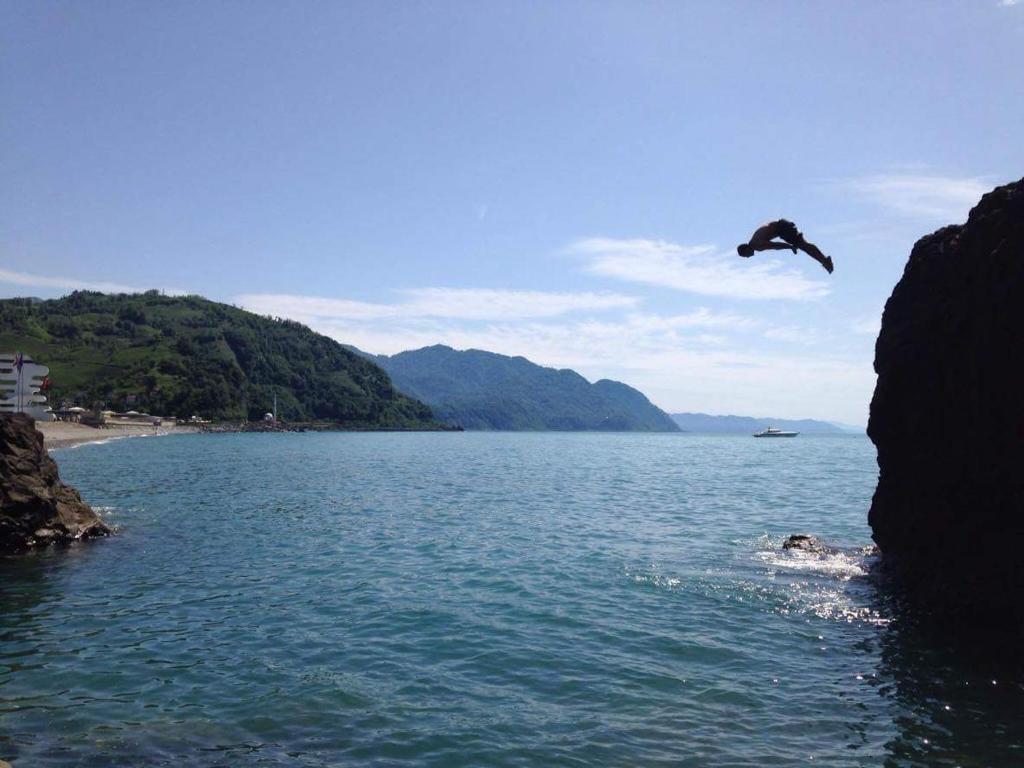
{"x": 763, "y": 234}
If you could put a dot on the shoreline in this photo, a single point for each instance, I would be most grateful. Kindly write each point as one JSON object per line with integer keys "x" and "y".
{"x": 63, "y": 434}
{"x": 59, "y": 435}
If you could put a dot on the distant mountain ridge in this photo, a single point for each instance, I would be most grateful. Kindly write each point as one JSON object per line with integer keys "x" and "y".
{"x": 703, "y": 422}
{"x": 487, "y": 391}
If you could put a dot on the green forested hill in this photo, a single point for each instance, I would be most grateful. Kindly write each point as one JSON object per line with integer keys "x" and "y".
{"x": 484, "y": 390}
{"x": 178, "y": 356}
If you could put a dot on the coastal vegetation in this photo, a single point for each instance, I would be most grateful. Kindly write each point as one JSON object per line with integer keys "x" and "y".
{"x": 484, "y": 390}
{"x": 185, "y": 355}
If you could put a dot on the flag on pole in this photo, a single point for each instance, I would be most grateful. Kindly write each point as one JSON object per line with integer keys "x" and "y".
{"x": 19, "y": 361}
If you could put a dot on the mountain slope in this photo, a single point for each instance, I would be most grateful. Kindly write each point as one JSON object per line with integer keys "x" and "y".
{"x": 702, "y": 422}
{"x": 484, "y": 390}
{"x": 185, "y": 355}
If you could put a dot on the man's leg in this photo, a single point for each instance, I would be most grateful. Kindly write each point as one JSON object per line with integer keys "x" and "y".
{"x": 815, "y": 253}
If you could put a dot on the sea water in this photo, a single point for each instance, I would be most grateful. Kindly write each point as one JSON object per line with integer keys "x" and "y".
{"x": 481, "y": 599}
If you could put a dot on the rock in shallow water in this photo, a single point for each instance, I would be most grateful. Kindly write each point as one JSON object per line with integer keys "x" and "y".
{"x": 806, "y": 543}
{"x": 36, "y": 508}
{"x": 947, "y": 416}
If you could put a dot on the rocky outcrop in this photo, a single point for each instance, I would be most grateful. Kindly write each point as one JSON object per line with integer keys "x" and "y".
{"x": 947, "y": 416}
{"x": 805, "y": 542}
{"x": 36, "y": 508}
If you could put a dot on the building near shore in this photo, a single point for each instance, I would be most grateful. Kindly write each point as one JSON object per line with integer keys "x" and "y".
{"x": 22, "y": 382}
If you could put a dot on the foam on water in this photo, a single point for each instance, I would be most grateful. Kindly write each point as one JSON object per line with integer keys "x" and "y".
{"x": 104, "y": 441}
{"x": 111, "y": 439}
{"x": 831, "y": 585}
{"x": 841, "y": 564}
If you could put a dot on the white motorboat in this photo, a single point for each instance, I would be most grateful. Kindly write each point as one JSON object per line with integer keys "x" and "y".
{"x": 773, "y": 432}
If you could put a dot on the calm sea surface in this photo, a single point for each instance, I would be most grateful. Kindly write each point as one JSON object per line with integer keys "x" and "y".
{"x": 481, "y": 600}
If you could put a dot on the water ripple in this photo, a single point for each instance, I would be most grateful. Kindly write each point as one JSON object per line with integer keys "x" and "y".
{"x": 480, "y": 599}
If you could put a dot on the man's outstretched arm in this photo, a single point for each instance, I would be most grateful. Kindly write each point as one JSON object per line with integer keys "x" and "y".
{"x": 772, "y": 245}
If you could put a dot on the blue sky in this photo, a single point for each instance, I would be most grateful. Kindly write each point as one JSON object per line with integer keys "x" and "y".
{"x": 565, "y": 181}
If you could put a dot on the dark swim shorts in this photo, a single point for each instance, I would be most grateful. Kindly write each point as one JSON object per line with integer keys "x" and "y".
{"x": 786, "y": 230}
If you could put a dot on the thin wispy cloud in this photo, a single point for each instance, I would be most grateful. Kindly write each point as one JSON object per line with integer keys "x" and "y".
{"x": 448, "y": 303}
{"x": 702, "y": 317}
{"x": 792, "y": 334}
{"x": 934, "y": 197}
{"x": 491, "y": 318}
{"x": 485, "y": 303}
{"x": 1008, "y": 3}
{"x": 867, "y": 325}
{"x": 700, "y": 269}
{"x": 28, "y": 280}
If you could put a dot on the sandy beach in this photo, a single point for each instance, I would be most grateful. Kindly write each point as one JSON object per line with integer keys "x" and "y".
{"x": 63, "y": 434}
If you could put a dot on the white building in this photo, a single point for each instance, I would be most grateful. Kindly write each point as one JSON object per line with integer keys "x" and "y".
{"x": 20, "y": 384}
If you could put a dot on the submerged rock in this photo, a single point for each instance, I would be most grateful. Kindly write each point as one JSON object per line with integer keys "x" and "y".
{"x": 806, "y": 543}
{"x": 947, "y": 416}
{"x": 36, "y": 508}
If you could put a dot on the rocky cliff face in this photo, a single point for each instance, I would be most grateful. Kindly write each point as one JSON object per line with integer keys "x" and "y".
{"x": 947, "y": 415}
{"x": 36, "y": 508}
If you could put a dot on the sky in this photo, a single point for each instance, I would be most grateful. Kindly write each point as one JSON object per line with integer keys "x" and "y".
{"x": 563, "y": 180}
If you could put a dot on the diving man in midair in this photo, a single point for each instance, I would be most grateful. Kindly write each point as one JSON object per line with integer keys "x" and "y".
{"x": 763, "y": 240}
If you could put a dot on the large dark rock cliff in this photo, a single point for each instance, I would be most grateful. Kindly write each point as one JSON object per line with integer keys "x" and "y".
{"x": 947, "y": 416}
{"x": 36, "y": 508}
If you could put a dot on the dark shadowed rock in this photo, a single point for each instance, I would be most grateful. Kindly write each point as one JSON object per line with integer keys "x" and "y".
{"x": 36, "y": 508}
{"x": 806, "y": 543}
{"x": 947, "y": 416}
